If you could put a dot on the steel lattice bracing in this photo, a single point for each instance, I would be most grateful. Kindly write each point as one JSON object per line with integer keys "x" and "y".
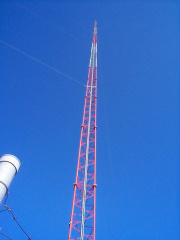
{"x": 82, "y": 222}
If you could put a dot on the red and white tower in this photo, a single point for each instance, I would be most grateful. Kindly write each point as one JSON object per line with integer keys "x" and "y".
{"x": 82, "y": 221}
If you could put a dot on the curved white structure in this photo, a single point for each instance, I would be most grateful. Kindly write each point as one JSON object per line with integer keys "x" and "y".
{"x": 9, "y": 166}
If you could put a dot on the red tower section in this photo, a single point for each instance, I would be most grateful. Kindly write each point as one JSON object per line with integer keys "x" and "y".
{"x": 82, "y": 221}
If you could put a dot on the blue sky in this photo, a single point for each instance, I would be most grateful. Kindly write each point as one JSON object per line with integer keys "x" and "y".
{"x": 138, "y": 114}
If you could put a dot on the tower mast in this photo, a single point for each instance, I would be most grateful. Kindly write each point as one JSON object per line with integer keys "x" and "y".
{"x": 82, "y": 221}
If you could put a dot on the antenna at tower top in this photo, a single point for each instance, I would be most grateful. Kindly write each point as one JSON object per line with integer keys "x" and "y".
{"x": 95, "y": 27}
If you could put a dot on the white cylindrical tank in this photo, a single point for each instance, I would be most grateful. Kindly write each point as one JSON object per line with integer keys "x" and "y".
{"x": 9, "y": 166}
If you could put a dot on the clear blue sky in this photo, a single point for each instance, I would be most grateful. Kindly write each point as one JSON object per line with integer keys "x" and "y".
{"x": 138, "y": 114}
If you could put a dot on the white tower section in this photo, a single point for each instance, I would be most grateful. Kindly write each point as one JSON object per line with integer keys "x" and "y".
{"x": 9, "y": 166}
